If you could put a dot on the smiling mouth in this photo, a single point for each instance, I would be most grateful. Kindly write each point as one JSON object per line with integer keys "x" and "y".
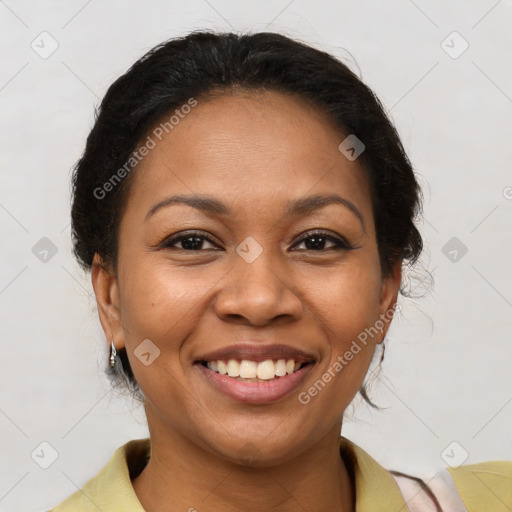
{"x": 255, "y": 371}
{"x": 255, "y": 382}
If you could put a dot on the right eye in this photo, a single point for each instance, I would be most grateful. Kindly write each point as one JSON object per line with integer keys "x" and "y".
{"x": 192, "y": 241}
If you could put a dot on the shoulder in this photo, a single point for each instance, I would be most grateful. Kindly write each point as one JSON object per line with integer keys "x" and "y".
{"x": 111, "y": 489}
{"x": 482, "y": 486}
{"x": 485, "y": 485}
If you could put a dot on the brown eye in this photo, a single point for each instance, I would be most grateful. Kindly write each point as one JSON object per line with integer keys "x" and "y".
{"x": 316, "y": 241}
{"x": 190, "y": 242}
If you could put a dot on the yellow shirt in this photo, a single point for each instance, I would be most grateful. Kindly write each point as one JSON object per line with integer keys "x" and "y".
{"x": 484, "y": 487}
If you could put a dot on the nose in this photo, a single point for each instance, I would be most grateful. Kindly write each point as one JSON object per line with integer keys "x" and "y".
{"x": 258, "y": 293}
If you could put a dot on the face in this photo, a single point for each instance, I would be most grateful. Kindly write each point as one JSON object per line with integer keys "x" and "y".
{"x": 264, "y": 273}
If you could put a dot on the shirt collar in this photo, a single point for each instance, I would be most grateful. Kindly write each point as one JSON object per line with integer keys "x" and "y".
{"x": 376, "y": 489}
{"x": 112, "y": 488}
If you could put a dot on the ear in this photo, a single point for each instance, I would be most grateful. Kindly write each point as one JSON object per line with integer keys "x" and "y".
{"x": 388, "y": 298}
{"x": 106, "y": 290}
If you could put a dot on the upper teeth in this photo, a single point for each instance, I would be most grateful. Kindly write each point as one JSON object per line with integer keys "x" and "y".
{"x": 246, "y": 369}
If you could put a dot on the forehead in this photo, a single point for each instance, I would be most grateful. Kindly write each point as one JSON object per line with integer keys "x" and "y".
{"x": 245, "y": 147}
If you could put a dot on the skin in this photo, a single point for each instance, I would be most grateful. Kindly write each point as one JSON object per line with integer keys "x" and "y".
{"x": 254, "y": 151}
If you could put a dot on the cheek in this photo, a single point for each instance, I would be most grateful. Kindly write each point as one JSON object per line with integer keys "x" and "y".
{"x": 157, "y": 309}
{"x": 346, "y": 362}
{"x": 160, "y": 305}
{"x": 347, "y": 311}
{"x": 163, "y": 304}
{"x": 348, "y": 301}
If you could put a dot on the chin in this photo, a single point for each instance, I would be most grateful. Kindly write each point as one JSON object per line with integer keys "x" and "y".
{"x": 258, "y": 451}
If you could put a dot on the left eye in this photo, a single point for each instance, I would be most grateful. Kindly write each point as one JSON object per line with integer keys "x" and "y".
{"x": 190, "y": 242}
{"x": 317, "y": 240}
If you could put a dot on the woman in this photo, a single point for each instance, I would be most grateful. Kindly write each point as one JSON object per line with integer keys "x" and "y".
{"x": 245, "y": 208}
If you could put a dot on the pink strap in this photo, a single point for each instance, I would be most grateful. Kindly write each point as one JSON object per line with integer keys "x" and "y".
{"x": 443, "y": 487}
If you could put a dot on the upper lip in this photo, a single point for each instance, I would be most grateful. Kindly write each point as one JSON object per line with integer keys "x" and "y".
{"x": 258, "y": 353}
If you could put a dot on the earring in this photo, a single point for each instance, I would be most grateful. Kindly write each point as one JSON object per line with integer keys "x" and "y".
{"x": 113, "y": 354}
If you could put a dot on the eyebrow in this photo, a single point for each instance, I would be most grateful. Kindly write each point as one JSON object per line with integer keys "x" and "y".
{"x": 296, "y": 207}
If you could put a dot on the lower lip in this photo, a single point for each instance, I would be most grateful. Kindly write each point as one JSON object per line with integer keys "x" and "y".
{"x": 256, "y": 392}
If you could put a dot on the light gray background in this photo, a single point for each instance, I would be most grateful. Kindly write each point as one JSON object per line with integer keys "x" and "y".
{"x": 447, "y": 372}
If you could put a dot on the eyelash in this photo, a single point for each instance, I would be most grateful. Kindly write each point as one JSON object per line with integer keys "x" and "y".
{"x": 339, "y": 243}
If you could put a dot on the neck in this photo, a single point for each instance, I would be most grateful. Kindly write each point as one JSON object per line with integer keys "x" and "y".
{"x": 183, "y": 476}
